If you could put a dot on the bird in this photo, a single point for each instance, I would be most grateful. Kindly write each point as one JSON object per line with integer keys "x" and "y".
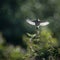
{"x": 37, "y": 22}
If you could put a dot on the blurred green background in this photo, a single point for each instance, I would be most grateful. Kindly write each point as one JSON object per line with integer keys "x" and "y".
{"x": 14, "y": 42}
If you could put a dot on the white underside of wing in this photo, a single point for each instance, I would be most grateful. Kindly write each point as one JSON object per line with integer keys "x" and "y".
{"x": 30, "y": 22}
{"x": 44, "y": 23}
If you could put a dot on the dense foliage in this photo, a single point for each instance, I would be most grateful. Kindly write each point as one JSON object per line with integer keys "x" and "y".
{"x": 15, "y": 42}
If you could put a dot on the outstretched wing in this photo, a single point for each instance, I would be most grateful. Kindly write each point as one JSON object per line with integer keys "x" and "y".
{"x": 30, "y": 22}
{"x": 44, "y": 23}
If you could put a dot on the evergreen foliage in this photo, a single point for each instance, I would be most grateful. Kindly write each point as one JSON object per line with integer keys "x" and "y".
{"x": 15, "y": 32}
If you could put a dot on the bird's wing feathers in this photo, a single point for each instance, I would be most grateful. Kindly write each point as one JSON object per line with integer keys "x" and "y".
{"x": 44, "y": 23}
{"x": 30, "y": 22}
